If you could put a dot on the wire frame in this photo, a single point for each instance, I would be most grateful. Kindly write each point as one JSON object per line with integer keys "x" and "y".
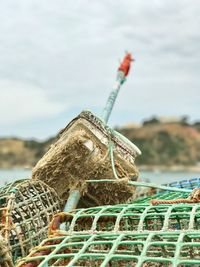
{"x": 26, "y": 208}
{"x": 118, "y": 250}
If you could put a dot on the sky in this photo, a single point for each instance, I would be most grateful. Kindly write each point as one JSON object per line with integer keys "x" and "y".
{"x": 60, "y": 57}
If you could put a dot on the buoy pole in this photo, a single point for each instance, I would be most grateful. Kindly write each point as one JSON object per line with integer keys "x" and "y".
{"x": 122, "y": 73}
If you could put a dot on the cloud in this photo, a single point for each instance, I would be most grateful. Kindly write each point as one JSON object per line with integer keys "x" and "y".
{"x": 68, "y": 52}
{"x": 21, "y": 102}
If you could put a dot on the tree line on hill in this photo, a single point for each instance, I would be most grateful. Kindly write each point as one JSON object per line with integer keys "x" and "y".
{"x": 162, "y": 144}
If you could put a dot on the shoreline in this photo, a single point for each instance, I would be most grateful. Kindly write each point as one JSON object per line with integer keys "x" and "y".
{"x": 152, "y": 168}
{"x": 173, "y": 168}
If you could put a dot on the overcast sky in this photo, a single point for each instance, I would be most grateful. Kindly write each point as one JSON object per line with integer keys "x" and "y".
{"x": 60, "y": 57}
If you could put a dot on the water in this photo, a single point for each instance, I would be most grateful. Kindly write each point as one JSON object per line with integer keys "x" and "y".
{"x": 152, "y": 176}
{"x": 164, "y": 177}
{"x": 11, "y": 175}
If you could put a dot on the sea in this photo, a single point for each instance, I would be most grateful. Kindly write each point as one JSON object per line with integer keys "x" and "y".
{"x": 158, "y": 177}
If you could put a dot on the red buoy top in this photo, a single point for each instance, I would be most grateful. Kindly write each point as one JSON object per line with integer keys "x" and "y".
{"x": 126, "y": 63}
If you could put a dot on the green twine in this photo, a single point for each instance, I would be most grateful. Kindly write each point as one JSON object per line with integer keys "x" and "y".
{"x": 110, "y": 148}
{"x": 144, "y": 184}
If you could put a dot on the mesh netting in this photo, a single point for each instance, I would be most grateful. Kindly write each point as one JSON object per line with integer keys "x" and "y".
{"x": 127, "y": 218}
{"x": 136, "y": 234}
{"x": 166, "y": 195}
{"x": 26, "y": 208}
{"x": 133, "y": 249}
{"x": 138, "y": 216}
{"x": 190, "y": 184}
{"x": 5, "y": 254}
{"x": 142, "y": 192}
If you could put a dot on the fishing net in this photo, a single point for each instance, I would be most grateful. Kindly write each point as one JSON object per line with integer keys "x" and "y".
{"x": 163, "y": 195}
{"x": 172, "y": 248}
{"x": 133, "y": 217}
{"x": 144, "y": 192}
{"x": 26, "y": 208}
{"x": 88, "y": 149}
{"x": 136, "y": 216}
{"x": 136, "y": 234}
{"x": 5, "y": 253}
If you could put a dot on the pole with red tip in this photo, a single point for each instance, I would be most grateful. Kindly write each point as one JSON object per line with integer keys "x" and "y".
{"x": 122, "y": 73}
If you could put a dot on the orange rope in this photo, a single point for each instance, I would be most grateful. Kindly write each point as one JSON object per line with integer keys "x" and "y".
{"x": 171, "y": 201}
{"x": 193, "y": 198}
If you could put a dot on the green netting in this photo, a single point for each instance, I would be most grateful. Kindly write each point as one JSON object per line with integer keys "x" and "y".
{"x": 162, "y": 195}
{"x": 190, "y": 184}
{"x": 135, "y": 234}
{"x": 127, "y": 218}
{"x": 26, "y": 208}
{"x": 105, "y": 250}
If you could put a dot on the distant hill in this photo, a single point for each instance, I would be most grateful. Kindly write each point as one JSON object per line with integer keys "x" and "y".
{"x": 166, "y": 143}
{"x": 16, "y": 152}
{"x": 162, "y": 144}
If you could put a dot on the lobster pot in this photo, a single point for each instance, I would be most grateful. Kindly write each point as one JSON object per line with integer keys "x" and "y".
{"x": 83, "y": 151}
{"x": 118, "y": 250}
{"x": 26, "y": 208}
{"x": 137, "y": 216}
{"x": 128, "y": 218}
{"x": 5, "y": 253}
{"x": 149, "y": 194}
{"x": 142, "y": 192}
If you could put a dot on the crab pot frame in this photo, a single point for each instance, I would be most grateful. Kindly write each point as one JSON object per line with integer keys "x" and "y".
{"x": 118, "y": 250}
{"x": 83, "y": 152}
{"x": 136, "y": 234}
{"x": 26, "y": 208}
{"x": 127, "y": 218}
{"x": 5, "y": 254}
{"x": 137, "y": 216}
